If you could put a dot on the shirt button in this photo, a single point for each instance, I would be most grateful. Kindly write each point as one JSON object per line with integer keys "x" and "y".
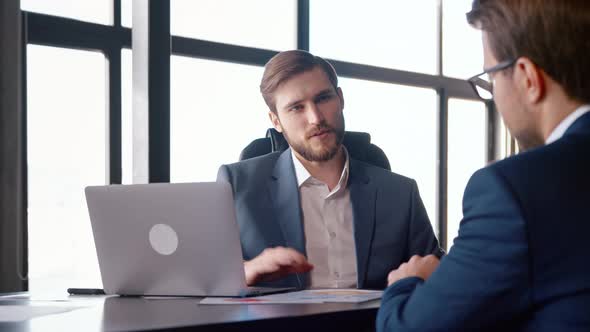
{"x": 336, "y": 274}
{"x": 332, "y": 234}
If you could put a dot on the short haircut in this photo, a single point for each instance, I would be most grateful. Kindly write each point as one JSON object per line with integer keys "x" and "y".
{"x": 288, "y": 64}
{"x": 553, "y": 34}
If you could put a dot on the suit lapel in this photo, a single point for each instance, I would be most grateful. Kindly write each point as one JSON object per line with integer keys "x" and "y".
{"x": 285, "y": 199}
{"x": 363, "y": 197}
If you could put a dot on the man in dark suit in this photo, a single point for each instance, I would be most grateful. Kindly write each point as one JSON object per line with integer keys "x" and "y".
{"x": 520, "y": 261}
{"x": 311, "y": 216}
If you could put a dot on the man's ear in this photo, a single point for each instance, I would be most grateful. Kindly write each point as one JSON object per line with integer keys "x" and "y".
{"x": 531, "y": 80}
{"x": 274, "y": 118}
{"x": 341, "y": 96}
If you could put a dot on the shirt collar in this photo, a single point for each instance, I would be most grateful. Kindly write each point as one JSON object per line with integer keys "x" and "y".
{"x": 303, "y": 175}
{"x": 566, "y": 123}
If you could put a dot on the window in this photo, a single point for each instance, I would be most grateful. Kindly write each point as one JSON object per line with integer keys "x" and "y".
{"x": 263, "y": 24}
{"x": 216, "y": 110}
{"x": 126, "y": 13}
{"x": 67, "y": 137}
{"x": 466, "y": 153}
{"x": 126, "y": 116}
{"x": 96, "y": 11}
{"x": 402, "y": 122}
{"x": 393, "y": 34}
{"x": 462, "y": 52}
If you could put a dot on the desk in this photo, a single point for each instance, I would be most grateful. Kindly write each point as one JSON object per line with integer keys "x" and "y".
{"x": 108, "y": 313}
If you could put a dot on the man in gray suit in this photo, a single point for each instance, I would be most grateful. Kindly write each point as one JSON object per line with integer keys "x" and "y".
{"x": 311, "y": 216}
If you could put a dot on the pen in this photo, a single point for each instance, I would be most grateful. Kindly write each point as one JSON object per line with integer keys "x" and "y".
{"x": 86, "y": 291}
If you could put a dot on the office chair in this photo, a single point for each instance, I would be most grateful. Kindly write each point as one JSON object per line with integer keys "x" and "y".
{"x": 358, "y": 144}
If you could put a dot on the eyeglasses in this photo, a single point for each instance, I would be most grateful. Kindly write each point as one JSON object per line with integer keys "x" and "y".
{"x": 483, "y": 84}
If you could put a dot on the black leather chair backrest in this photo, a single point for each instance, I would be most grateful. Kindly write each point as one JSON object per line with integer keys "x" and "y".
{"x": 358, "y": 144}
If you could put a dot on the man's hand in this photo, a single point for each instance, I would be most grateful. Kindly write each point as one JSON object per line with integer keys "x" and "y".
{"x": 417, "y": 266}
{"x": 275, "y": 263}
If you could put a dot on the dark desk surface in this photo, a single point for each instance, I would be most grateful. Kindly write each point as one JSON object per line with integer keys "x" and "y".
{"x": 101, "y": 313}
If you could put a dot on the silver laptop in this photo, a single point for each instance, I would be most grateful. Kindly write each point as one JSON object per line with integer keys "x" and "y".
{"x": 168, "y": 240}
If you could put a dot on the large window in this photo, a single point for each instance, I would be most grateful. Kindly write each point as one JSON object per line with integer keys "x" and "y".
{"x": 467, "y": 153}
{"x": 402, "y": 122}
{"x": 66, "y": 127}
{"x": 216, "y": 110}
{"x": 462, "y": 51}
{"x": 216, "y": 107}
{"x": 126, "y": 116}
{"x": 96, "y": 11}
{"x": 393, "y": 34}
{"x": 267, "y": 24}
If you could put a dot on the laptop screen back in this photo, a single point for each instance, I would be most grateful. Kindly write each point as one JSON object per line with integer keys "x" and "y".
{"x": 167, "y": 239}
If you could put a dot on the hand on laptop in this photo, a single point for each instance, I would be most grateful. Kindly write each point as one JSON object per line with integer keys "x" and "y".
{"x": 417, "y": 266}
{"x": 275, "y": 263}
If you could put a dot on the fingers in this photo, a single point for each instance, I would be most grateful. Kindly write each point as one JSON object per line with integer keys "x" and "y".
{"x": 395, "y": 275}
{"x": 432, "y": 258}
{"x": 391, "y": 277}
{"x": 419, "y": 260}
{"x": 417, "y": 266}
{"x": 275, "y": 263}
{"x": 414, "y": 259}
{"x": 291, "y": 260}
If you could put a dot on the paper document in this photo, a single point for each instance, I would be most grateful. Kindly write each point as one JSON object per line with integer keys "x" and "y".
{"x": 17, "y": 313}
{"x": 330, "y": 295}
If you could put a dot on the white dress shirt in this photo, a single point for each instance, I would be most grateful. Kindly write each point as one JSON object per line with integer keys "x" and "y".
{"x": 566, "y": 123}
{"x": 328, "y": 227}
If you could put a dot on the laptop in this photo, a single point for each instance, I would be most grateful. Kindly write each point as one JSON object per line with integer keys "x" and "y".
{"x": 169, "y": 239}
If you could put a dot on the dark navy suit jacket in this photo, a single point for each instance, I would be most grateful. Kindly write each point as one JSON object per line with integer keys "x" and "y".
{"x": 520, "y": 261}
{"x": 390, "y": 222}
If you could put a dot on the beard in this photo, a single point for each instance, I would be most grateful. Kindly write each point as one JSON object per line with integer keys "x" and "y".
{"x": 325, "y": 152}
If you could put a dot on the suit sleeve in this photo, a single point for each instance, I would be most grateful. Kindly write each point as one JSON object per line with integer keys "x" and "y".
{"x": 421, "y": 236}
{"x": 482, "y": 281}
{"x": 223, "y": 174}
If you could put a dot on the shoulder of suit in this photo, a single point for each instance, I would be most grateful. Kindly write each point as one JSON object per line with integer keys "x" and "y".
{"x": 260, "y": 161}
{"x": 538, "y": 164}
{"x": 536, "y": 158}
{"x": 382, "y": 175}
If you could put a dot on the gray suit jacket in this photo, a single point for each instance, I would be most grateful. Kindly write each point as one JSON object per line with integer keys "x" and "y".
{"x": 390, "y": 222}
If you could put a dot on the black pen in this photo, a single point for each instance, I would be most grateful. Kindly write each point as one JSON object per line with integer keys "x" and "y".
{"x": 86, "y": 291}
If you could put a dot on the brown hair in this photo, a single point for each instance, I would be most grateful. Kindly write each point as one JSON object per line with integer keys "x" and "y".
{"x": 285, "y": 65}
{"x": 551, "y": 33}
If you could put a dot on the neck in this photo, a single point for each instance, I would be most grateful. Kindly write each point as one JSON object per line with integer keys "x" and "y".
{"x": 554, "y": 112}
{"x": 328, "y": 171}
